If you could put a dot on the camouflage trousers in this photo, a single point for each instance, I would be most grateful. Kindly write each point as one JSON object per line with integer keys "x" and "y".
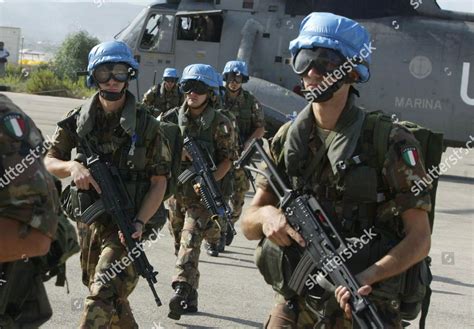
{"x": 197, "y": 225}
{"x": 177, "y": 213}
{"x": 241, "y": 186}
{"x": 324, "y": 315}
{"x": 109, "y": 281}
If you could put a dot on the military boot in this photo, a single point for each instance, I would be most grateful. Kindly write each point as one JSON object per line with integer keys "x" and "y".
{"x": 212, "y": 249}
{"x": 179, "y": 303}
{"x": 192, "y": 302}
{"x": 229, "y": 235}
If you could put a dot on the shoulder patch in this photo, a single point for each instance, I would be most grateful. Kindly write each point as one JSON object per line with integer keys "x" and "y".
{"x": 15, "y": 125}
{"x": 410, "y": 155}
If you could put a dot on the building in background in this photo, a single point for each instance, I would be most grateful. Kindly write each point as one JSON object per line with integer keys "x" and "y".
{"x": 11, "y": 36}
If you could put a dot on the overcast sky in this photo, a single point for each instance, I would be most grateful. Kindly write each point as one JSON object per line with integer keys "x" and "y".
{"x": 458, "y": 5}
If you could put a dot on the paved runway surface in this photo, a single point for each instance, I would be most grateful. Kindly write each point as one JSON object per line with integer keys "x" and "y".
{"x": 233, "y": 294}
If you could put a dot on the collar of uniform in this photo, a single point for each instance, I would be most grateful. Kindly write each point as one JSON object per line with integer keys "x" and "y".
{"x": 204, "y": 120}
{"x": 87, "y": 116}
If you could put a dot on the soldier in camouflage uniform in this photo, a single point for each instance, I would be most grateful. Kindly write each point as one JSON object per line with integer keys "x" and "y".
{"x": 197, "y": 118}
{"x": 357, "y": 196}
{"x": 28, "y": 218}
{"x": 129, "y": 139}
{"x": 165, "y": 96}
{"x": 250, "y": 124}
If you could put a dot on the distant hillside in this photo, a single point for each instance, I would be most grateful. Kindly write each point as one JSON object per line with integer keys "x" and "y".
{"x": 51, "y": 22}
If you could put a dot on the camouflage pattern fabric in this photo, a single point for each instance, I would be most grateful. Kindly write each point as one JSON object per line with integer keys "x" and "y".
{"x": 27, "y": 190}
{"x": 249, "y": 116}
{"x": 241, "y": 186}
{"x": 110, "y": 282}
{"x": 197, "y": 220}
{"x": 161, "y": 99}
{"x": 326, "y": 314}
{"x": 400, "y": 175}
{"x": 107, "y": 303}
{"x": 247, "y": 110}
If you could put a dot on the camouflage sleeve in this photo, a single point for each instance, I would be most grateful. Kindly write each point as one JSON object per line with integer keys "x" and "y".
{"x": 276, "y": 154}
{"x": 62, "y": 144}
{"x": 160, "y": 156}
{"x": 258, "y": 120}
{"x": 149, "y": 97}
{"x": 403, "y": 171}
{"x": 224, "y": 140}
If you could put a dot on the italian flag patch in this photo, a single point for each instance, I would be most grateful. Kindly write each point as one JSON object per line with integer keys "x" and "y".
{"x": 15, "y": 125}
{"x": 410, "y": 156}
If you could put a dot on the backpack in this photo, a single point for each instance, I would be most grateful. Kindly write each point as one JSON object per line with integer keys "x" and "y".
{"x": 418, "y": 278}
{"x": 173, "y": 134}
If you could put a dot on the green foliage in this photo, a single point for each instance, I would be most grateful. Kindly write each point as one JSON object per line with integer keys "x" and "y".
{"x": 73, "y": 54}
{"x": 45, "y": 82}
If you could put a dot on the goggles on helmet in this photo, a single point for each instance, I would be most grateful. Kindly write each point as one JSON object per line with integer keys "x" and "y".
{"x": 229, "y": 77}
{"x": 118, "y": 71}
{"x": 195, "y": 86}
{"x": 324, "y": 60}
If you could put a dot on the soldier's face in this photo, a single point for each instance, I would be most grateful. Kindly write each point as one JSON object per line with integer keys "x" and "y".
{"x": 195, "y": 100}
{"x": 169, "y": 85}
{"x": 312, "y": 79}
{"x": 234, "y": 85}
{"x": 112, "y": 85}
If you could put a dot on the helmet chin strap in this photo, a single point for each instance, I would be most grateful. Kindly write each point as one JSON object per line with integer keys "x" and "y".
{"x": 318, "y": 96}
{"x": 112, "y": 96}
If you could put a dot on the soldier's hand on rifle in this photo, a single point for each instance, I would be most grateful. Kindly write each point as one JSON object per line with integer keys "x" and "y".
{"x": 137, "y": 235}
{"x": 197, "y": 188}
{"x": 185, "y": 156}
{"x": 82, "y": 177}
{"x": 343, "y": 295}
{"x": 277, "y": 229}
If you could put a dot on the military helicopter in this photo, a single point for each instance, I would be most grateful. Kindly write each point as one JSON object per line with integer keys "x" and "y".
{"x": 421, "y": 54}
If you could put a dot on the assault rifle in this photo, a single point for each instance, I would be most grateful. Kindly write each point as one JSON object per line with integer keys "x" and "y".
{"x": 248, "y": 173}
{"x": 202, "y": 173}
{"x": 116, "y": 202}
{"x": 304, "y": 214}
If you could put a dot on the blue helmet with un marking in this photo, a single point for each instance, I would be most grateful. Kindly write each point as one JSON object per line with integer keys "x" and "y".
{"x": 237, "y": 67}
{"x": 335, "y": 32}
{"x": 201, "y": 72}
{"x": 170, "y": 72}
{"x": 111, "y": 52}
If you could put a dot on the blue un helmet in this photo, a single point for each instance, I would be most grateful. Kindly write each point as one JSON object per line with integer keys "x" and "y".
{"x": 200, "y": 78}
{"x": 170, "y": 72}
{"x": 334, "y": 46}
{"x": 326, "y": 30}
{"x": 111, "y": 52}
{"x": 237, "y": 68}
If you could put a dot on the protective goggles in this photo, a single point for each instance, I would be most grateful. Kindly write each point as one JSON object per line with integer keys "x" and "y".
{"x": 194, "y": 86}
{"x": 324, "y": 60}
{"x": 117, "y": 71}
{"x": 229, "y": 77}
{"x": 170, "y": 80}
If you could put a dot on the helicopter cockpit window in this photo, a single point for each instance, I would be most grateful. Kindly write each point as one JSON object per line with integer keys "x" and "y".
{"x": 355, "y": 9}
{"x": 204, "y": 27}
{"x": 158, "y": 34}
